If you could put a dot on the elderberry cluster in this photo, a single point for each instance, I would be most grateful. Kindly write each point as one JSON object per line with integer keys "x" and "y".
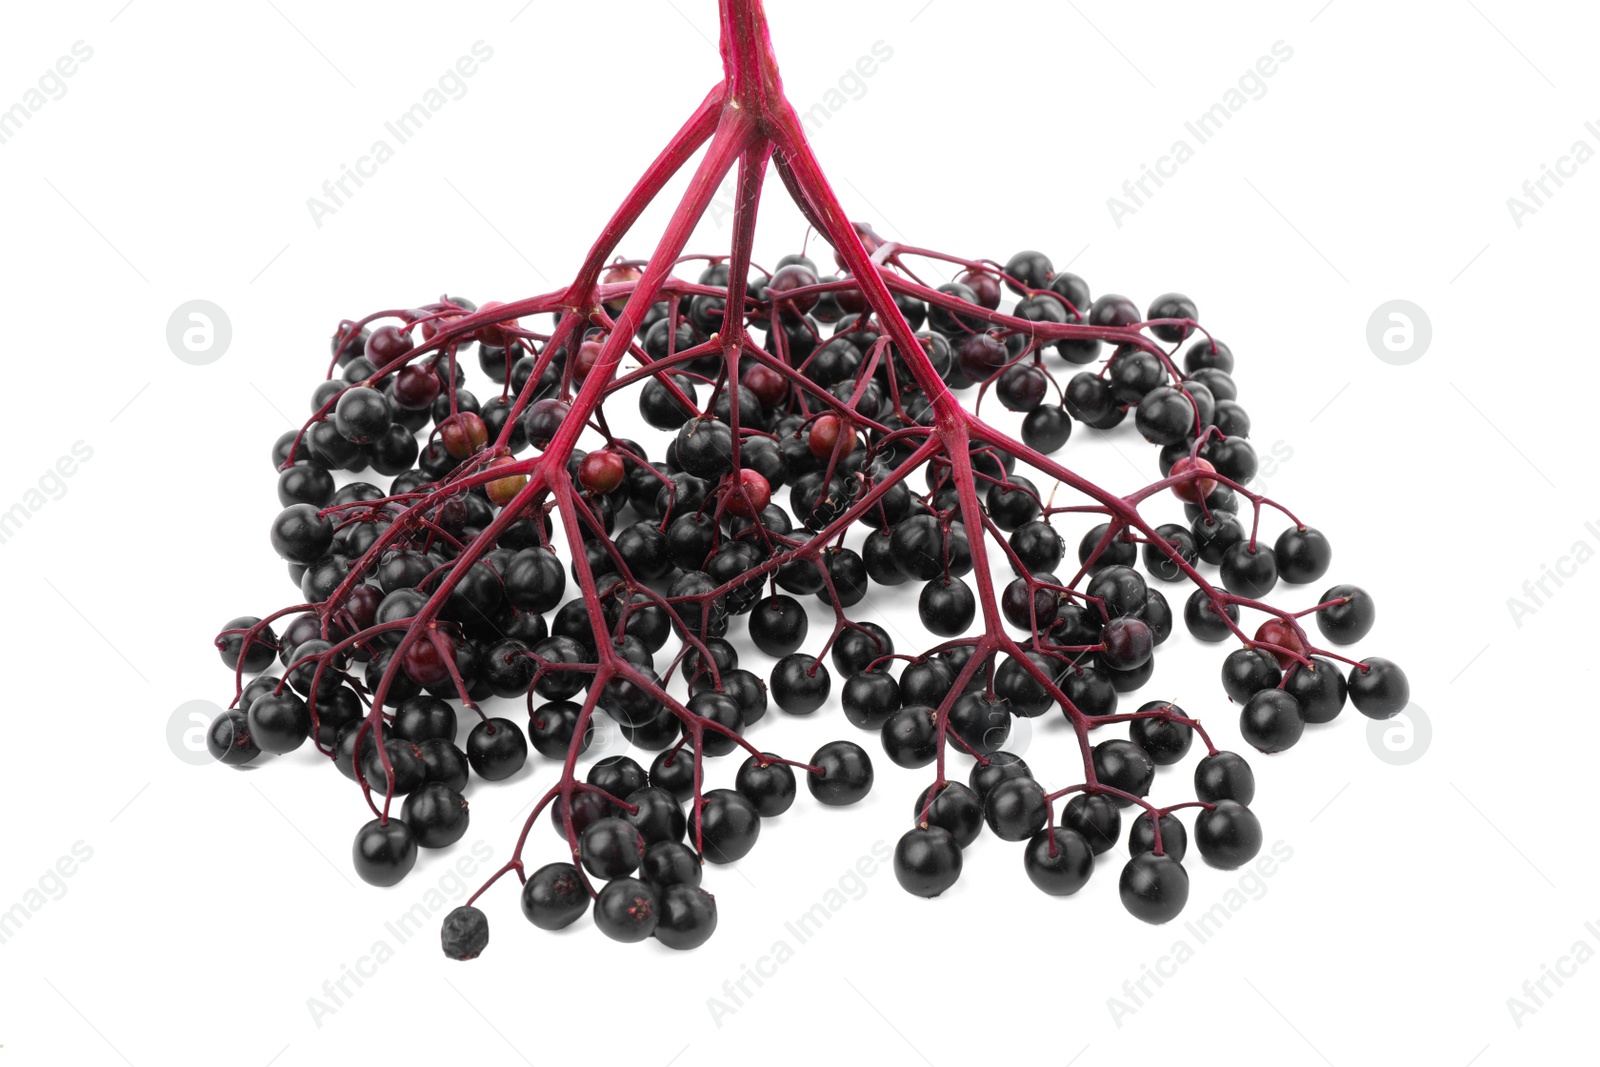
{"x": 446, "y": 587}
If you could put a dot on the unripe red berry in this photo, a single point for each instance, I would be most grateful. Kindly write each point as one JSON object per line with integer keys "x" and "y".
{"x": 1278, "y": 632}
{"x": 829, "y": 432}
{"x": 756, "y": 495}
{"x": 1195, "y": 491}
{"x": 502, "y": 491}
{"x": 463, "y": 434}
{"x": 767, "y": 384}
{"x": 601, "y": 472}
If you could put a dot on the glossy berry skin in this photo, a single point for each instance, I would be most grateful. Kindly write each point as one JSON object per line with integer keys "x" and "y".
{"x": 1349, "y": 622}
{"x": 362, "y": 415}
{"x": 611, "y": 848}
{"x": 1001, "y": 767}
{"x": 1174, "y": 838}
{"x": 1047, "y": 428}
{"x": 1128, "y": 643}
{"x": 436, "y": 814}
{"x": 421, "y": 718}
{"x": 1228, "y": 835}
{"x": 620, "y": 776}
{"x": 627, "y": 910}
{"x": 1285, "y": 641}
{"x": 673, "y": 772}
{"x": 770, "y": 786}
{"x": 1154, "y": 888}
{"x": 778, "y": 625}
{"x": 496, "y": 749}
{"x": 955, "y": 808}
{"x": 1320, "y": 689}
{"x": 869, "y": 698}
{"x": 659, "y": 815}
{"x": 1247, "y": 671}
{"x": 856, "y": 649}
{"x": 670, "y": 863}
{"x": 1180, "y": 540}
{"x": 728, "y": 826}
{"x": 1091, "y": 691}
{"x": 464, "y": 934}
{"x": 910, "y": 736}
{"x": 1166, "y": 742}
{"x": 1058, "y": 863}
{"x": 1124, "y": 765}
{"x": 1224, "y": 775}
{"x": 1165, "y": 416}
{"x": 688, "y": 916}
{"x": 279, "y": 722}
{"x": 228, "y": 739}
{"x": 1303, "y": 555}
{"x": 947, "y": 608}
{"x": 1172, "y": 306}
{"x": 1271, "y": 721}
{"x": 443, "y": 762}
{"x": 1094, "y": 817}
{"x": 300, "y": 535}
{"x": 1249, "y": 572}
{"x": 1379, "y": 688}
{"x": 846, "y": 774}
{"x": 384, "y": 853}
{"x": 927, "y": 861}
{"x": 259, "y": 656}
{"x": 1015, "y": 809}
{"x": 799, "y": 684}
{"x": 553, "y": 897}
{"x": 1198, "y": 487}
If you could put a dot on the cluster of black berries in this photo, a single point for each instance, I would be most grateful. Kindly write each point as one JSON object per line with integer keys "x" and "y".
{"x": 447, "y": 587}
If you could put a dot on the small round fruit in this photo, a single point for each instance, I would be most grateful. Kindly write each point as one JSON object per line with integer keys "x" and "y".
{"x": 611, "y": 848}
{"x": 1154, "y": 888}
{"x": 1349, "y": 615}
{"x": 1227, "y": 835}
{"x": 1059, "y": 862}
{"x": 846, "y": 773}
{"x": 465, "y": 933}
{"x": 627, "y": 910}
{"x": 437, "y": 815}
{"x": 688, "y": 917}
{"x": 496, "y": 749}
{"x": 1224, "y": 776}
{"x": 1378, "y": 688}
{"x": 1271, "y": 721}
{"x": 927, "y": 861}
{"x": 553, "y": 897}
{"x": 1015, "y": 809}
{"x": 384, "y": 852}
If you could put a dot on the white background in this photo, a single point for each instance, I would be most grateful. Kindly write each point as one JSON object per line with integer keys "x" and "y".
{"x": 1376, "y": 166}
